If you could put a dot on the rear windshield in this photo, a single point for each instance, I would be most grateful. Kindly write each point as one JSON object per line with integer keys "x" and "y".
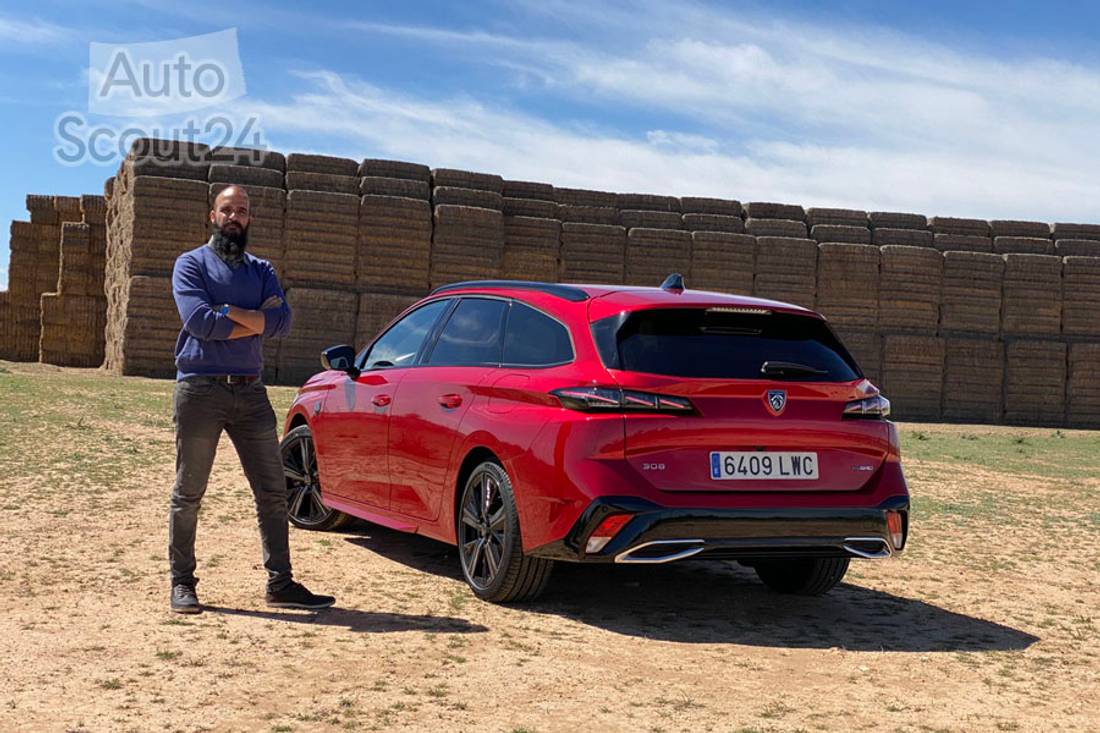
{"x": 717, "y": 344}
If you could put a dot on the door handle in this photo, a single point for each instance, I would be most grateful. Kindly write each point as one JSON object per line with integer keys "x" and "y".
{"x": 450, "y": 400}
{"x": 381, "y": 400}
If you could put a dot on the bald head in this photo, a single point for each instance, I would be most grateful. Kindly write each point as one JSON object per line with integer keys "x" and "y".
{"x": 231, "y": 212}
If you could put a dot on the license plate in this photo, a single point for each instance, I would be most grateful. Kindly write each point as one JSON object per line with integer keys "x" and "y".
{"x": 734, "y": 465}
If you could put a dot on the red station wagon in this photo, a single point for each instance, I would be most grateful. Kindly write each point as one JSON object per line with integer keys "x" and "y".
{"x": 529, "y": 423}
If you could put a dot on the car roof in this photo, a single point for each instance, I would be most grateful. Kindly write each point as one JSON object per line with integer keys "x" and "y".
{"x": 605, "y": 300}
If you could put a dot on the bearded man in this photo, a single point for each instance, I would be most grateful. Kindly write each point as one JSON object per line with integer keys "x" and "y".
{"x": 229, "y": 302}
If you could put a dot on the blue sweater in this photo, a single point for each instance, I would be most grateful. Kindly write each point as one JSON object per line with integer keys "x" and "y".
{"x": 201, "y": 283}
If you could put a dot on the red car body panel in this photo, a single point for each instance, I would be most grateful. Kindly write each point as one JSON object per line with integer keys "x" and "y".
{"x": 397, "y": 463}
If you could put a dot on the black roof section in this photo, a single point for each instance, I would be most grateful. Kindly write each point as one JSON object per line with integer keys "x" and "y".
{"x": 566, "y": 292}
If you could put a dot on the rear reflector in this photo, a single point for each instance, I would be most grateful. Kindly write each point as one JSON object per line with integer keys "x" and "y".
{"x": 896, "y": 526}
{"x": 614, "y": 399}
{"x": 608, "y": 528}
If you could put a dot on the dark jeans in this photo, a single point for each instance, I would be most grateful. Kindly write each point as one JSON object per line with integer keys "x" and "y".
{"x": 203, "y": 407}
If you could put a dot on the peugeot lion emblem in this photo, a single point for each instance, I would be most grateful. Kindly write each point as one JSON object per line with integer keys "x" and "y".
{"x": 777, "y": 400}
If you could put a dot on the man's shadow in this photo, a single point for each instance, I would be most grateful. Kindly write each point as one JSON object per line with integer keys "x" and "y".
{"x": 722, "y": 602}
{"x": 359, "y": 621}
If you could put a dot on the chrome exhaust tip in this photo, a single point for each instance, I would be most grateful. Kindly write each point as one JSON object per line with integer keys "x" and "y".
{"x": 868, "y": 548}
{"x": 690, "y": 547}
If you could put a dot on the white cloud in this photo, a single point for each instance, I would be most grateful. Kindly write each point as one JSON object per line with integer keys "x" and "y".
{"x": 743, "y": 107}
{"x": 31, "y": 32}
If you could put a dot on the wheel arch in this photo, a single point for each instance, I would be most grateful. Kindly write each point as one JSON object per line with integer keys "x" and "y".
{"x": 475, "y": 456}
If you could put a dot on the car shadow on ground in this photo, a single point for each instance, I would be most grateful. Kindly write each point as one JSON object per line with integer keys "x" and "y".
{"x": 360, "y": 621}
{"x": 722, "y": 602}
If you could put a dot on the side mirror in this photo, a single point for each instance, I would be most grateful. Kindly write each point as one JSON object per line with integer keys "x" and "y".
{"x": 340, "y": 358}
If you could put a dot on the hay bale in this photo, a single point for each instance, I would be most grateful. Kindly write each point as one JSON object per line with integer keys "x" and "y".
{"x": 74, "y": 276}
{"x": 722, "y": 262}
{"x": 159, "y": 218}
{"x": 251, "y": 157}
{"x": 788, "y": 228}
{"x": 912, "y": 378}
{"x": 962, "y": 243}
{"x": 569, "y": 213}
{"x": 467, "y": 244}
{"x": 905, "y": 237}
{"x": 530, "y": 207}
{"x": 770, "y": 210}
{"x": 384, "y": 186}
{"x": 592, "y": 253}
{"x": 1067, "y": 230}
{"x": 527, "y": 190}
{"x": 455, "y": 196}
{"x": 654, "y": 254}
{"x": 376, "y": 311}
{"x": 67, "y": 208}
{"x": 1035, "y": 382}
{"x": 322, "y": 318}
{"x": 956, "y": 225}
{"x": 1032, "y": 303}
{"x": 836, "y": 217}
{"x": 246, "y": 175}
{"x": 332, "y": 183}
{"x": 322, "y": 231}
{"x": 1012, "y": 228}
{"x": 647, "y": 202}
{"x": 41, "y": 209}
{"x": 1081, "y": 297}
{"x": 141, "y": 328}
{"x": 467, "y": 179}
{"x": 71, "y": 330}
{"x": 585, "y": 197}
{"x": 703, "y": 205}
{"x": 267, "y": 223}
{"x": 865, "y": 346}
{"x": 649, "y": 219}
{"x": 167, "y": 159}
{"x": 713, "y": 223}
{"x": 377, "y": 168}
{"x": 974, "y": 371}
{"x": 1077, "y": 248}
{"x": 897, "y": 220}
{"x": 531, "y": 247}
{"x": 1082, "y": 386}
{"x": 786, "y": 270}
{"x": 324, "y": 164}
{"x": 1023, "y": 245}
{"x": 910, "y": 289}
{"x": 841, "y": 233}
{"x": 93, "y": 209}
{"x": 972, "y": 293}
{"x": 395, "y": 242}
{"x": 848, "y": 283}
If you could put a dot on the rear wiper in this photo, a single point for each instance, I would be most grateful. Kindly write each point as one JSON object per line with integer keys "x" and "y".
{"x": 790, "y": 369}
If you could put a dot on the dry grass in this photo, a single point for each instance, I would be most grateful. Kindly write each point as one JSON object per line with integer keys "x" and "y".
{"x": 989, "y": 622}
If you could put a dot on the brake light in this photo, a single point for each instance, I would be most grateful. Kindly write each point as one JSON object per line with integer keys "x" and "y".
{"x": 895, "y": 525}
{"x": 875, "y": 407}
{"x": 615, "y": 399}
{"x": 608, "y": 528}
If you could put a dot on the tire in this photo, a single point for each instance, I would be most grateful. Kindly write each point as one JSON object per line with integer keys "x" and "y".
{"x": 803, "y": 576}
{"x": 305, "y": 508}
{"x": 488, "y": 537}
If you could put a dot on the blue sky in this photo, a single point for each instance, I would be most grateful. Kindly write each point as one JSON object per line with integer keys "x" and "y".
{"x": 979, "y": 109}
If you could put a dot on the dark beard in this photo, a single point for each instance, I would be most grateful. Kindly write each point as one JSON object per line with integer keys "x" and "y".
{"x": 230, "y": 245}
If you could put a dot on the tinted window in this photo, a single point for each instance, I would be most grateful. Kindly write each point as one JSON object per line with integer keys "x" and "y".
{"x": 534, "y": 339}
{"x": 712, "y": 344}
{"x": 472, "y": 334}
{"x": 399, "y": 345}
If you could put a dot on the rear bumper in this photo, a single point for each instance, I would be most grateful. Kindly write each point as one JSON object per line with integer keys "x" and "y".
{"x": 660, "y": 534}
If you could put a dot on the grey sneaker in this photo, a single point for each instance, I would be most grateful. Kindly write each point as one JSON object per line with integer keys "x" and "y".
{"x": 296, "y": 595}
{"x": 184, "y": 599}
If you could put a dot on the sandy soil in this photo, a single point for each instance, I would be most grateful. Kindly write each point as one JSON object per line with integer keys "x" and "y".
{"x": 989, "y": 622}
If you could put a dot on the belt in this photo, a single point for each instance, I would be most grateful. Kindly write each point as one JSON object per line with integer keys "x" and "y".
{"x": 232, "y": 378}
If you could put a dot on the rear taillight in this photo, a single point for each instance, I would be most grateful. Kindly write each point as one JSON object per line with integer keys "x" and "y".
{"x": 614, "y": 399}
{"x": 608, "y": 528}
{"x": 872, "y": 408}
{"x": 896, "y": 526}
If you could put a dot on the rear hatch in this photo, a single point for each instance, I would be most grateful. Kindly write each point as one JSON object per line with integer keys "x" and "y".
{"x": 768, "y": 390}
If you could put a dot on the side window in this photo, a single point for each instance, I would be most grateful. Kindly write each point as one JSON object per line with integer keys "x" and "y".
{"x": 398, "y": 346}
{"x": 534, "y": 339}
{"x": 472, "y": 336}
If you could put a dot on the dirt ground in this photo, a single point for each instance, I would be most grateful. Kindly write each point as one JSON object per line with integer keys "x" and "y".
{"x": 988, "y": 622}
